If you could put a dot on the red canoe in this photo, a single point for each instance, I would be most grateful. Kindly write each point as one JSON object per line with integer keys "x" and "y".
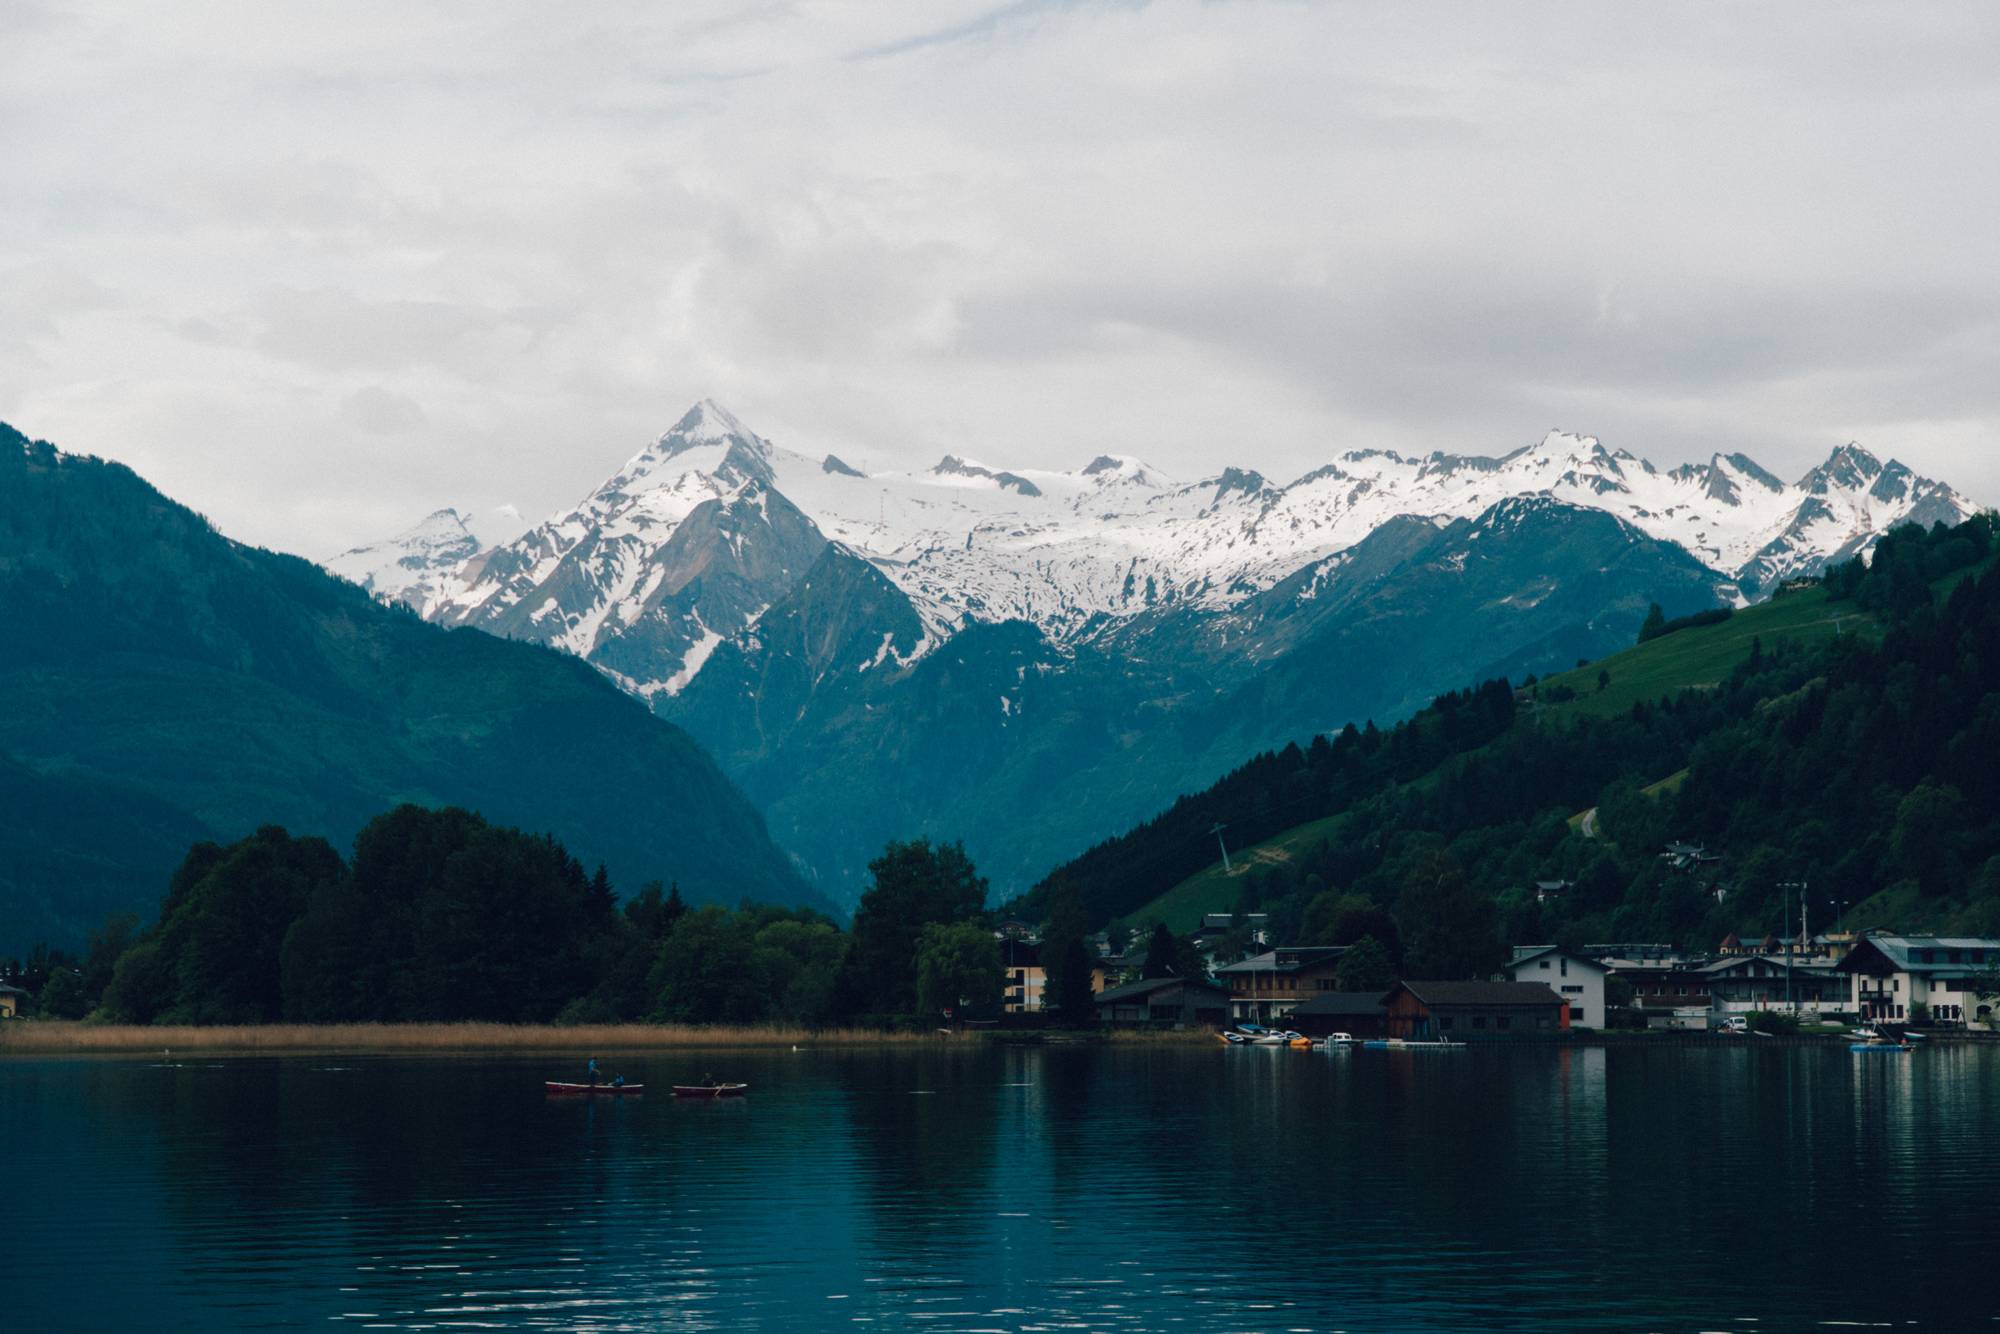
{"x": 710, "y": 1090}
{"x": 584, "y": 1090}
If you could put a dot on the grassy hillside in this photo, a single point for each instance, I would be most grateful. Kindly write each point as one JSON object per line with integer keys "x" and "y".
{"x": 1701, "y": 657}
{"x": 1697, "y": 658}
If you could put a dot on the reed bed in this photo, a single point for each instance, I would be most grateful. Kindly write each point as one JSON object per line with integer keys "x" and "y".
{"x": 49, "y": 1037}
{"x": 59, "y": 1037}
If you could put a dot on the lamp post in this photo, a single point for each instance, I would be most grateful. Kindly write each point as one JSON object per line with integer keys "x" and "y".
{"x": 1797, "y": 887}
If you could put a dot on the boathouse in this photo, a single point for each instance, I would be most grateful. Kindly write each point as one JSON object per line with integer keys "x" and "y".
{"x": 1165, "y": 1000}
{"x": 1359, "y": 1013}
{"x": 1474, "y": 1011}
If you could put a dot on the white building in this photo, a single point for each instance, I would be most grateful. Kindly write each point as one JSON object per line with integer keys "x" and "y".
{"x": 1892, "y": 975}
{"x": 1578, "y": 980}
{"x": 1748, "y": 983}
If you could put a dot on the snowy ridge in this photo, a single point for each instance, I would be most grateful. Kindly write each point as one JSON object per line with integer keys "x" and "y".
{"x": 1074, "y": 553}
{"x": 415, "y": 564}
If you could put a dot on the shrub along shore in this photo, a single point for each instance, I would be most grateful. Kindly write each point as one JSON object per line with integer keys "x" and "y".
{"x": 57, "y": 1037}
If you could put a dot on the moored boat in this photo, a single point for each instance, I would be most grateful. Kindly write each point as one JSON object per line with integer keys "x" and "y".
{"x": 1878, "y": 1046}
{"x": 710, "y": 1090}
{"x": 557, "y": 1088}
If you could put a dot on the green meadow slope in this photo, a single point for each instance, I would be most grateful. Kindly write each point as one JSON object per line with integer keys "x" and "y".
{"x": 1697, "y": 658}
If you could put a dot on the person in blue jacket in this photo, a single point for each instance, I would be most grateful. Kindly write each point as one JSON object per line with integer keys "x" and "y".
{"x": 592, "y": 1071}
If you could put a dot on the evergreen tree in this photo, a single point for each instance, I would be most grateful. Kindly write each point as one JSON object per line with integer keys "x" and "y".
{"x": 1162, "y": 953}
{"x": 1656, "y": 621}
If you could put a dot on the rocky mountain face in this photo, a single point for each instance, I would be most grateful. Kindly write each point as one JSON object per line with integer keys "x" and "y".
{"x": 165, "y": 684}
{"x": 1024, "y": 658}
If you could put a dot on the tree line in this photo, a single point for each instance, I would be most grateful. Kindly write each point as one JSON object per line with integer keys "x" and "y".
{"x": 441, "y": 916}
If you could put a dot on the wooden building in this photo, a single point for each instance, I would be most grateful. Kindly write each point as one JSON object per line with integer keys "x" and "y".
{"x": 1266, "y": 987}
{"x": 1474, "y": 1011}
{"x": 1180, "y": 1001}
{"x": 1360, "y": 1013}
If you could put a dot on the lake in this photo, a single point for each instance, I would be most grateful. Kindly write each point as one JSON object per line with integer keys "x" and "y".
{"x": 980, "y": 1188}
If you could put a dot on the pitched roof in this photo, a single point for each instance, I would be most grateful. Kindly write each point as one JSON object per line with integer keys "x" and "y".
{"x": 1532, "y": 955}
{"x": 1913, "y": 953}
{"x": 1336, "y": 1003}
{"x": 1285, "y": 959}
{"x": 1481, "y": 993}
{"x": 1147, "y": 986}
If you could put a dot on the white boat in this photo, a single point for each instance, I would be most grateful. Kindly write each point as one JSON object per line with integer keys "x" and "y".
{"x": 1405, "y": 1044}
{"x": 1333, "y": 1041}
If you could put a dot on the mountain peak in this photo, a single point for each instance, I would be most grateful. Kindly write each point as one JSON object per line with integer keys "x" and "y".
{"x": 1849, "y": 468}
{"x": 707, "y": 423}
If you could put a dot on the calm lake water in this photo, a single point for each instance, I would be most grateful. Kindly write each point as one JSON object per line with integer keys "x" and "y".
{"x": 984, "y": 1189}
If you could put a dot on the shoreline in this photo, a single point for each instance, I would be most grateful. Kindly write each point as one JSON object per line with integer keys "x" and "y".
{"x": 51, "y": 1037}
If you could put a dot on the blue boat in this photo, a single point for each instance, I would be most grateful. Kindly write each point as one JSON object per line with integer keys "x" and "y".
{"x": 1877, "y": 1046}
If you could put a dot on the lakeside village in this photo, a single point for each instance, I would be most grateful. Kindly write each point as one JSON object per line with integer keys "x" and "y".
{"x": 1874, "y": 982}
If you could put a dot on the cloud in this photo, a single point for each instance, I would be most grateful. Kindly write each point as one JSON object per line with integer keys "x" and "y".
{"x": 256, "y": 238}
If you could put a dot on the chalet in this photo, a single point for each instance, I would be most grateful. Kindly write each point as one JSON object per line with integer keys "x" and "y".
{"x": 1550, "y": 891}
{"x": 1165, "y": 1000}
{"x": 1359, "y": 1013}
{"x": 1578, "y": 980}
{"x": 1688, "y": 856}
{"x": 1268, "y": 986}
{"x": 1214, "y": 926}
{"x": 1741, "y": 984}
{"x": 10, "y": 1001}
{"x": 1892, "y": 975}
{"x": 1023, "y": 981}
{"x": 1474, "y": 1011}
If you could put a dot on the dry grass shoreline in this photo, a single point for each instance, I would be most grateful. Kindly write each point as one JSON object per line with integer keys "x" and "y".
{"x": 59, "y": 1038}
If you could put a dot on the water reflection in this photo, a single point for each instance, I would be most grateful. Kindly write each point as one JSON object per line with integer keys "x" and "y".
{"x": 977, "y": 1188}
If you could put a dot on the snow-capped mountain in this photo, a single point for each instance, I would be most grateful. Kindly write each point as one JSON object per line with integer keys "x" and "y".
{"x": 1076, "y": 552}
{"x": 411, "y": 566}
{"x": 953, "y": 649}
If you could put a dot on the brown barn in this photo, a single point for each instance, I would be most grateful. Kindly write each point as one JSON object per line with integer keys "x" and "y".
{"x": 1474, "y": 1011}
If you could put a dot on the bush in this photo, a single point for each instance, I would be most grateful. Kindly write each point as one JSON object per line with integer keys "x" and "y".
{"x": 1774, "y": 1022}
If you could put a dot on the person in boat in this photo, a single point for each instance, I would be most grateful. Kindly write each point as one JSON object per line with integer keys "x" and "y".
{"x": 591, "y": 1070}
{"x": 708, "y": 1081}
{"x": 618, "y": 1081}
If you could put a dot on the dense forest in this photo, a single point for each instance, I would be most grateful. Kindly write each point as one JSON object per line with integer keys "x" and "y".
{"x": 1862, "y": 767}
{"x": 440, "y": 916}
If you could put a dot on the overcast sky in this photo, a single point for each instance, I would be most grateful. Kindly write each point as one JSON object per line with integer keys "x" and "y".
{"x": 316, "y": 269}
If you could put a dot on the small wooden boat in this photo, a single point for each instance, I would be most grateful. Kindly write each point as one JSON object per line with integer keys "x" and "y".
{"x": 558, "y": 1089}
{"x": 710, "y": 1090}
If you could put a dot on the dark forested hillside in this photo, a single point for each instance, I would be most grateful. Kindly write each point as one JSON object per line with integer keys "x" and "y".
{"x": 1861, "y": 764}
{"x": 165, "y": 684}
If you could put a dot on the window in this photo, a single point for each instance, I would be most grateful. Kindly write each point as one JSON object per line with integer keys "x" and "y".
{"x": 1565, "y": 966}
{"x": 1544, "y": 965}
{"x": 1503, "y": 1022}
{"x": 1572, "y": 991}
{"x": 1479, "y": 1021}
{"x": 1445, "y": 1022}
{"x": 1576, "y": 1014}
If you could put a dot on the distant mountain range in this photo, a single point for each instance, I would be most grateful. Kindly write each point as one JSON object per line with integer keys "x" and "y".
{"x": 165, "y": 684}
{"x": 1026, "y": 658}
